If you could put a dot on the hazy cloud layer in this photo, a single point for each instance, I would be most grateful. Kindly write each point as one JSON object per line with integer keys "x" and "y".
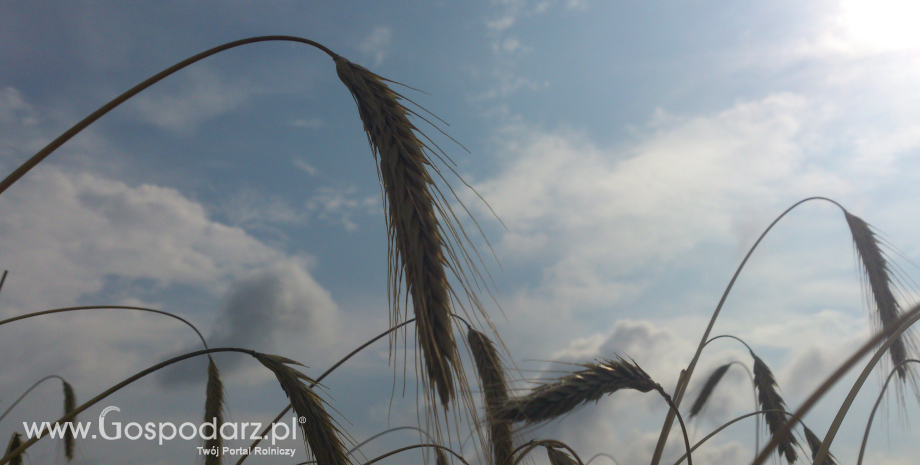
{"x": 635, "y": 152}
{"x": 198, "y": 96}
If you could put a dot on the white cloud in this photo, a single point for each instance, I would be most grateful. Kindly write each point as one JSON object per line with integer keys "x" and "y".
{"x": 577, "y": 5}
{"x": 647, "y": 203}
{"x": 81, "y": 228}
{"x": 625, "y": 423}
{"x": 510, "y": 44}
{"x": 507, "y": 79}
{"x": 377, "y": 44}
{"x": 251, "y": 209}
{"x": 501, "y": 23}
{"x": 14, "y": 109}
{"x": 304, "y": 166}
{"x": 340, "y": 205}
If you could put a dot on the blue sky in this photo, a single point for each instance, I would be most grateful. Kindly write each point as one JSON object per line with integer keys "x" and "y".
{"x": 634, "y": 150}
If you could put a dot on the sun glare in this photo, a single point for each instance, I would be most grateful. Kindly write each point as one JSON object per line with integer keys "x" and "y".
{"x": 882, "y": 24}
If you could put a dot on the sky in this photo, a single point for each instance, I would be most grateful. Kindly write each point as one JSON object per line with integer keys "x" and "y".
{"x": 633, "y": 151}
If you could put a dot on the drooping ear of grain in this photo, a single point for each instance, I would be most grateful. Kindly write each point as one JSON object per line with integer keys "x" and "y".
{"x": 710, "y": 385}
{"x": 770, "y": 399}
{"x": 815, "y": 445}
{"x": 442, "y": 457}
{"x": 15, "y": 442}
{"x": 318, "y": 429}
{"x": 70, "y": 403}
{"x": 495, "y": 393}
{"x": 416, "y": 243}
{"x": 213, "y": 412}
{"x": 552, "y": 400}
{"x": 558, "y": 457}
{"x": 875, "y": 268}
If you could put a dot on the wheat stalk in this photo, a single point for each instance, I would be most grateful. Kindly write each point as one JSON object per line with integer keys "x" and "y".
{"x": 875, "y": 269}
{"x": 708, "y": 387}
{"x": 318, "y": 429}
{"x": 815, "y": 445}
{"x": 14, "y": 444}
{"x": 416, "y": 244}
{"x": 442, "y": 457}
{"x": 495, "y": 393}
{"x": 558, "y": 457}
{"x": 214, "y": 411}
{"x": 70, "y": 403}
{"x": 568, "y": 392}
{"x": 772, "y": 403}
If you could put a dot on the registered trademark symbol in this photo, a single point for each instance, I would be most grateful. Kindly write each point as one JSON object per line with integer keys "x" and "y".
{"x": 302, "y": 420}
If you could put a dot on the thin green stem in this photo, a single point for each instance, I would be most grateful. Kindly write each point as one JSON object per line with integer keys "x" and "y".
{"x": 56, "y": 143}
{"x": 70, "y": 416}
{"x": 685, "y": 379}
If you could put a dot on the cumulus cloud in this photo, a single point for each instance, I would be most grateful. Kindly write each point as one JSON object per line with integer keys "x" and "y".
{"x": 282, "y": 300}
{"x": 647, "y": 203}
{"x": 81, "y": 227}
{"x": 625, "y": 423}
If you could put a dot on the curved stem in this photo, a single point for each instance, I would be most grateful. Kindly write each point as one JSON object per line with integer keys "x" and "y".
{"x": 51, "y": 147}
{"x": 683, "y": 428}
{"x": 602, "y": 454}
{"x": 105, "y": 307}
{"x": 546, "y": 442}
{"x": 754, "y": 391}
{"x": 333, "y": 367}
{"x": 842, "y": 412}
{"x": 754, "y": 386}
{"x": 70, "y": 416}
{"x": 726, "y": 425}
{"x": 24, "y": 394}
{"x": 878, "y": 401}
{"x": 685, "y": 379}
{"x": 902, "y": 323}
{"x": 398, "y": 428}
{"x": 416, "y": 446}
{"x": 731, "y": 337}
{"x": 518, "y": 448}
